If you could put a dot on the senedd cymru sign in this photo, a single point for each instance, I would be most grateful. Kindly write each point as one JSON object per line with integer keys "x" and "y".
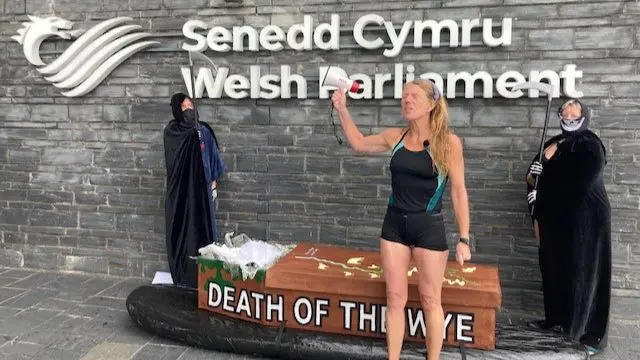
{"x": 97, "y": 51}
{"x": 303, "y": 36}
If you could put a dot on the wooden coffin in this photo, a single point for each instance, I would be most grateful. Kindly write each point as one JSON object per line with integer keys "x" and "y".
{"x": 341, "y": 290}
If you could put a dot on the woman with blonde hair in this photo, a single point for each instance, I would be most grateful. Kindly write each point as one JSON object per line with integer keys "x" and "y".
{"x": 424, "y": 156}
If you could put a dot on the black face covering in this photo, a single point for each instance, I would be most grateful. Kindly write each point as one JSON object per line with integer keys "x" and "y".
{"x": 189, "y": 116}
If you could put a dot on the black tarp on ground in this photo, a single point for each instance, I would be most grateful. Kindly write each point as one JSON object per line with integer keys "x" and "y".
{"x": 173, "y": 313}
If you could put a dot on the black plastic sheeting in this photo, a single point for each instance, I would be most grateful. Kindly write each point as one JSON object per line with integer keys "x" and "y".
{"x": 172, "y": 312}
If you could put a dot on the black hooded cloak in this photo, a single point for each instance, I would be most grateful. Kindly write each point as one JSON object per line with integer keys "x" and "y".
{"x": 574, "y": 221}
{"x": 189, "y": 211}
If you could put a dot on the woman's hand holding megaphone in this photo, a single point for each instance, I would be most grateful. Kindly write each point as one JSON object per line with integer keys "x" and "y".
{"x": 339, "y": 99}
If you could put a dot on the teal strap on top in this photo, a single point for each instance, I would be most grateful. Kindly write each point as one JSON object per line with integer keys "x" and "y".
{"x": 437, "y": 195}
{"x": 442, "y": 181}
{"x": 397, "y": 147}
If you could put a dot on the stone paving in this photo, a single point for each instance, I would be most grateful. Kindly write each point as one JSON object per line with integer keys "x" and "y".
{"x": 49, "y": 315}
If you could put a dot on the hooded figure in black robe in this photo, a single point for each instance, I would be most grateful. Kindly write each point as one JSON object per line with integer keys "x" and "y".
{"x": 572, "y": 218}
{"x": 193, "y": 165}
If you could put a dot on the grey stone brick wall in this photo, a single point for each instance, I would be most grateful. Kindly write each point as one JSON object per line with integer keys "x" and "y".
{"x": 82, "y": 179}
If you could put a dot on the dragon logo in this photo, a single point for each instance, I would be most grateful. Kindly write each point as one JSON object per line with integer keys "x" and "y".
{"x": 89, "y": 59}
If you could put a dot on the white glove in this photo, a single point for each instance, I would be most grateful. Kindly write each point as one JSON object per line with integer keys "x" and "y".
{"x": 531, "y": 197}
{"x": 214, "y": 193}
{"x": 535, "y": 169}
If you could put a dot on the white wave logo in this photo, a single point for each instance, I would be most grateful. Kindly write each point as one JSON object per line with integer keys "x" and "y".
{"x": 89, "y": 59}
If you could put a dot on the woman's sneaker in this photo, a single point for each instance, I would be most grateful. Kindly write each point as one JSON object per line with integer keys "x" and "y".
{"x": 592, "y": 345}
{"x": 592, "y": 350}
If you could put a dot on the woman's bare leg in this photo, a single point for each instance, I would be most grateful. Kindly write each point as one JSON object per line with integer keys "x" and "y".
{"x": 431, "y": 266}
{"x": 395, "y": 263}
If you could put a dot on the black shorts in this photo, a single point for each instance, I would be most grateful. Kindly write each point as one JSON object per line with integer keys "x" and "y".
{"x": 419, "y": 229}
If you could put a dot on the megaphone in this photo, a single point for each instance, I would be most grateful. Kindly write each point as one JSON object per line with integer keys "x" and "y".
{"x": 337, "y": 78}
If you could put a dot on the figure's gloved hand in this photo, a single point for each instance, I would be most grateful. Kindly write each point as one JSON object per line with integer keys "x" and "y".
{"x": 214, "y": 193}
{"x": 535, "y": 169}
{"x": 531, "y": 197}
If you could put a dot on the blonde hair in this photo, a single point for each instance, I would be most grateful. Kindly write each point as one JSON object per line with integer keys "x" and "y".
{"x": 439, "y": 143}
{"x": 570, "y": 103}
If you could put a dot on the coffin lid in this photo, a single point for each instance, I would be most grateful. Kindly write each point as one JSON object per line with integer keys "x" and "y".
{"x": 348, "y": 272}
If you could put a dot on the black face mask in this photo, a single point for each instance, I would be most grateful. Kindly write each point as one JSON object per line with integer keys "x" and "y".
{"x": 189, "y": 115}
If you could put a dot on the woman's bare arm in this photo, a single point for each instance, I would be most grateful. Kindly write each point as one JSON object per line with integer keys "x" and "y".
{"x": 376, "y": 143}
{"x": 459, "y": 197}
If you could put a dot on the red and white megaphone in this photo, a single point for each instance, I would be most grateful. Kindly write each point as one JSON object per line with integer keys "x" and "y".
{"x": 336, "y": 77}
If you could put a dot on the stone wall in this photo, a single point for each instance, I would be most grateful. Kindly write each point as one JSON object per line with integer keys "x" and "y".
{"x": 82, "y": 178}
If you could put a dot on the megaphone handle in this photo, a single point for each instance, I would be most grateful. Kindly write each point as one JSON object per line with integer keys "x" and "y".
{"x": 335, "y": 130}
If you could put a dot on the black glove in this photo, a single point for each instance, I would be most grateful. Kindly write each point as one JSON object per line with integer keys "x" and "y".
{"x": 535, "y": 169}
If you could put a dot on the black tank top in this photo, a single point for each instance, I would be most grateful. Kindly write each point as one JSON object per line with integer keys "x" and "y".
{"x": 415, "y": 185}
